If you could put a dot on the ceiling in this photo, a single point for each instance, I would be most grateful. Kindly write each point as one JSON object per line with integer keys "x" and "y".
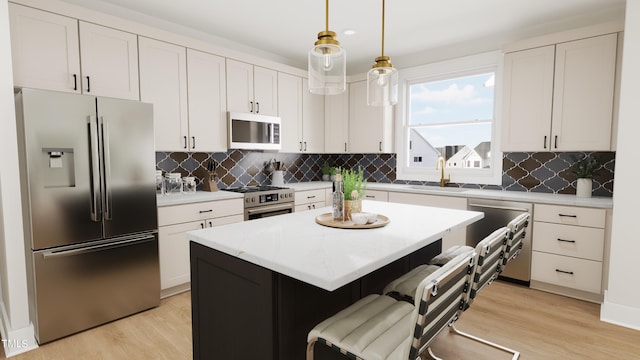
{"x": 417, "y": 31}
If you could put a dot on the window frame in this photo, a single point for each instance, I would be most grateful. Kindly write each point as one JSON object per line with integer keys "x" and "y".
{"x": 489, "y": 61}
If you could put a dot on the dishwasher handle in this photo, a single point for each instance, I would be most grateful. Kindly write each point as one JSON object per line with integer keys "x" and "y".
{"x": 499, "y": 207}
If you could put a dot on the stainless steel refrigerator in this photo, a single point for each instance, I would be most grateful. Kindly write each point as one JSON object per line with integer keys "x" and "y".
{"x": 89, "y": 203}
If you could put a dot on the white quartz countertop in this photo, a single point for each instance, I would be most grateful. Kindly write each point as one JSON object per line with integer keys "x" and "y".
{"x": 199, "y": 196}
{"x": 296, "y": 246}
{"x": 531, "y": 197}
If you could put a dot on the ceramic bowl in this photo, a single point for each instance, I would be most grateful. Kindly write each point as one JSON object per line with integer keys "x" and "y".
{"x": 359, "y": 218}
{"x": 371, "y": 218}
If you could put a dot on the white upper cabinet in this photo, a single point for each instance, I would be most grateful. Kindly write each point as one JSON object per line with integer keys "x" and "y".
{"x": 312, "y": 120}
{"x": 290, "y": 112}
{"x": 163, "y": 82}
{"x": 336, "y": 123}
{"x": 207, "y": 95}
{"x": 583, "y": 94}
{"x": 302, "y": 116}
{"x": 251, "y": 89}
{"x": 109, "y": 62}
{"x": 370, "y": 127}
{"x": 528, "y": 95}
{"x": 47, "y": 49}
{"x": 560, "y": 97}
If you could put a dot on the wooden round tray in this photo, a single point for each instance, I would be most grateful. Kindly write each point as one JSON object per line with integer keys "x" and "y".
{"x": 327, "y": 220}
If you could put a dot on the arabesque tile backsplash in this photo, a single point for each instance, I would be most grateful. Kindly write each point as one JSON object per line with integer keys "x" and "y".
{"x": 545, "y": 172}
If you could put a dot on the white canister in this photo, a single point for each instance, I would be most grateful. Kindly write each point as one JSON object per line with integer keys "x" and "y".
{"x": 277, "y": 178}
{"x": 584, "y": 187}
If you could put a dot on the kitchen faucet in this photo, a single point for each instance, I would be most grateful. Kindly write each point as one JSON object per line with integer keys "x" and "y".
{"x": 443, "y": 181}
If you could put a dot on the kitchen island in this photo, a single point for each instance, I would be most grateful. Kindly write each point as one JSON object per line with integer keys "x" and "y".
{"x": 258, "y": 287}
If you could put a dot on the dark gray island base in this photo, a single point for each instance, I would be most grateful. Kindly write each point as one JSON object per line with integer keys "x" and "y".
{"x": 244, "y": 311}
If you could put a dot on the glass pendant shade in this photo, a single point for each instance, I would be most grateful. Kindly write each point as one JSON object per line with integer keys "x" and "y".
{"x": 382, "y": 86}
{"x": 327, "y": 69}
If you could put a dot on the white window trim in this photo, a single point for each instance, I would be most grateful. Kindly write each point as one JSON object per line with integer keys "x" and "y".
{"x": 492, "y": 176}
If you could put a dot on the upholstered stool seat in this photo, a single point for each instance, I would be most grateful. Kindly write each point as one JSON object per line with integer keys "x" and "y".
{"x": 449, "y": 254}
{"x": 405, "y": 286}
{"x": 375, "y": 327}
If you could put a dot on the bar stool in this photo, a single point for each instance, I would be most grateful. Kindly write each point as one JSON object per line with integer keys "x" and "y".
{"x": 513, "y": 242}
{"x": 381, "y": 327}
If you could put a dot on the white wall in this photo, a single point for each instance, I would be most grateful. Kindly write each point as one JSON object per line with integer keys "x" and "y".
{"x": 622, "y": 299}
{"x": 15, "y": 326}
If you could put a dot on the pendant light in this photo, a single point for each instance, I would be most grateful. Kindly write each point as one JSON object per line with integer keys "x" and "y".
{"x": 327, "y": 63}
{"x": 382, "y": 79}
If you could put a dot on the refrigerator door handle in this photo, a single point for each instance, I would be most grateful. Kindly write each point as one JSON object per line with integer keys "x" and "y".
{"x": 100, "y": 247}
{"x": 95, "y": 170}
{"x": 107, "y": 169}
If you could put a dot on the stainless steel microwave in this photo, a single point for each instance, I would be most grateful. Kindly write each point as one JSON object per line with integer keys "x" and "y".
{"x": 253, "y": 132}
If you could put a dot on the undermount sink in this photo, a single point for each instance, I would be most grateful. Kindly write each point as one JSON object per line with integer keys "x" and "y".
{"x": 438, "y": 188}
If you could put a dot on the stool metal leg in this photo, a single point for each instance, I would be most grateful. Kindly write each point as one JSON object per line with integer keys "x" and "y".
{"x": 516, "y": 354}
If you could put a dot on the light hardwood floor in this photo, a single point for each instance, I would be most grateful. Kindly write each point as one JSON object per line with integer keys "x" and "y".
{"x": 538, "y": 324}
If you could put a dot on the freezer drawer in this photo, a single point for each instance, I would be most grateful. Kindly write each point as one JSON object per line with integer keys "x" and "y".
{"x": 79, "y": 288}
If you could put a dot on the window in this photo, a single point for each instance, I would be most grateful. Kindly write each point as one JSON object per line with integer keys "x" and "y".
{"x": 447, "y": 110}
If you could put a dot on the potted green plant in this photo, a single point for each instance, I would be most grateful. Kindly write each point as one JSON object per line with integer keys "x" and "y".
{"x": 326, "y": 171}
{"x": 585, "y": 169}
{"x": 354, "y": 186}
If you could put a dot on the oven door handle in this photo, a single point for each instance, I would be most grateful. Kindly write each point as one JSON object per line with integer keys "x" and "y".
{"x": 269, "y": 208}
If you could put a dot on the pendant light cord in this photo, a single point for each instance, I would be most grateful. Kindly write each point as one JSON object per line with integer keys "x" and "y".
{"x": 327, "y": 15}
{"x": 382, "y": 27}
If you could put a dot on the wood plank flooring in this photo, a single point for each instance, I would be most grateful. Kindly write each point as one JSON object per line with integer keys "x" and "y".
{"x": 538, "y": 324}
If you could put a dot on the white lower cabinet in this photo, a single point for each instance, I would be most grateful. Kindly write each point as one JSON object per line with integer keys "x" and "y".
{"x": 174, "y": 222}
{"x": 377, "y": 195}
{"x": 568, "y": 250}
{"x": 458, "y": 237}
{"x": 310, "y": 199}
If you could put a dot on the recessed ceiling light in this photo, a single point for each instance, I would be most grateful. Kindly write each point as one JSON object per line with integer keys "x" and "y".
{"x": 349, "y": 32}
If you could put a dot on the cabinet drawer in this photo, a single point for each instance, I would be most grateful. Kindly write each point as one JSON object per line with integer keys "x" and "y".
{"x": 566, "y": 271}
{"x": 576, "y": 241}
{"x": 376, "y": 195}
{"x": 309, "y": 196}
{"x": 569, "y": 215}
{"x": 199, "y": 211}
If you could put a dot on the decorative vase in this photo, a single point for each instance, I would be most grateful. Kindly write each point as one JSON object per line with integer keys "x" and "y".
{"x": 352, "y": 206}
{"x": 326, "y": 177}
{"x": 584, "y": 188}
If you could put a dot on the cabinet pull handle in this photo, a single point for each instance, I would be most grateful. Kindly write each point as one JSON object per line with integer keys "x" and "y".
{"x": 311, "y": 197}
{"x": 569, "y": 241}
{"x": 345, "y": 147}
{"x": 185, "y": 142}
{"x": 555, "y": 142}
{"x": 566, "y": 215}
{"x": 210, "y": 223}
{"x": 251, "y": 106}
{"x": 88, "y": 84}
{"x": 202, "y": 225}
{"x": 305, "y": 146}
{"x": 205, "y": 211}
{"x": 370, "y": 196}
{"x": 257, "y": 107}
{"x": 545, "y": 142}
{"x": 193, "y": 140}
{"x": 308, "y": 207}
{"x": 75, "y": 82}
{"x": 564, "y": 272}
{"x": 380, "y": 145}
{"x": 300, "y": 145}
{"x": 313, "y": 206}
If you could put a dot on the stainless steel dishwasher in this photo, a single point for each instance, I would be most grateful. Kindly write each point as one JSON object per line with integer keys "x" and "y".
{"x": 498, "y": 213}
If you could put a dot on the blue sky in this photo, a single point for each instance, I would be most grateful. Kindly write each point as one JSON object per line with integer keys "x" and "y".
{"x": 454, "y": 100}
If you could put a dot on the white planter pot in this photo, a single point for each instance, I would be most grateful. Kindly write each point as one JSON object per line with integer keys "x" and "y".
{"x": 584, "y": 188}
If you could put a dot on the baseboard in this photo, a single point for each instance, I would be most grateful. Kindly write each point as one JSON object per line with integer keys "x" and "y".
{"x": 15, "y": 341}
{"x": 622, "y": 315}
{"x": 174, "y": 290}
{"x": 565, "y": 291}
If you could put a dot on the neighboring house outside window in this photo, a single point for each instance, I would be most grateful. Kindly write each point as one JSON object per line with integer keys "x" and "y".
{"x": 449, "y": 109}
